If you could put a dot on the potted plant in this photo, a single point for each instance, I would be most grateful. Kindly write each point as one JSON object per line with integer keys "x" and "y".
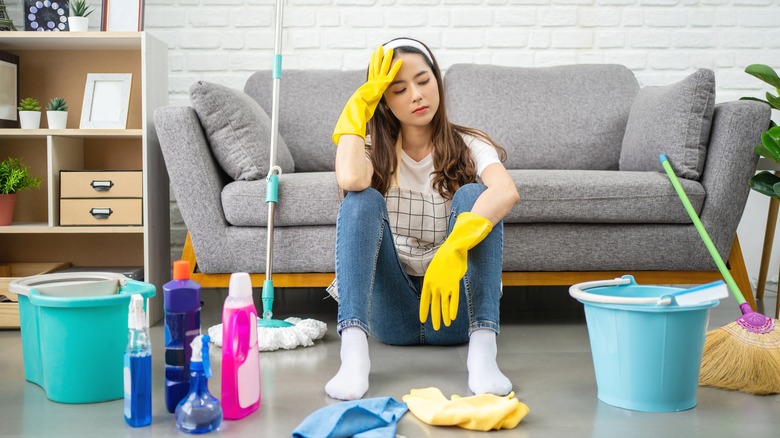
{"x": 766, "y": 182}
{"x": 14, "y": 176}
{"x": 29, "y": 113}
{"x": 57, "y": 113}
{"x": 79, "y": 15}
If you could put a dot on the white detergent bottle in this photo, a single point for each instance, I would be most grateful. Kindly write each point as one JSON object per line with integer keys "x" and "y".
{"x": 240, "y": 353}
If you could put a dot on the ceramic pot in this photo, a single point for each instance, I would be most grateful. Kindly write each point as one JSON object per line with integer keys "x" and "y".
{"x": 30, "y": 119}
{"x": 57, "y": 119}
{"x": 78, "y": 24}
{"x": 7, "y": 203}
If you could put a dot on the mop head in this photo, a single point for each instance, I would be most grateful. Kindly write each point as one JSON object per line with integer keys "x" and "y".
{"x": 740, "y": 358}
{"x": 303, "y": 333}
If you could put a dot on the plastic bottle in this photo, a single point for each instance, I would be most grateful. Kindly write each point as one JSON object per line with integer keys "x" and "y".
{"x": 240, "y": 354}
{"x": 182, "y": 325}
{"x": 199, "y": 411}
{"x": 138, "y": 367}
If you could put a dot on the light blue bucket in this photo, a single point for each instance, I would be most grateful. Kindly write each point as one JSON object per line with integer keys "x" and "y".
{"x": 74, "y": 332}
{"x": 646, "y": 349}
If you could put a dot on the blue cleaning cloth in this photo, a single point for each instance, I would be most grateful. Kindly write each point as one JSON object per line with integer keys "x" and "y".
{"x": 368, "y": 418}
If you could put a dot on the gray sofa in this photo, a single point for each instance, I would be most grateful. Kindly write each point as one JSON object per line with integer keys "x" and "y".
{"x": 582, "y": 143}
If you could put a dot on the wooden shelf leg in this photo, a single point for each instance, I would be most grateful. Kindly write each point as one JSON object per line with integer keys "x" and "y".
{"x": 766, "y": 252}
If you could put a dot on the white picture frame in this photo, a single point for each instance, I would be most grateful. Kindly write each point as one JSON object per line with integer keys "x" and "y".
{"x": 106, "y": 100}
{"x": 123, "y": 16}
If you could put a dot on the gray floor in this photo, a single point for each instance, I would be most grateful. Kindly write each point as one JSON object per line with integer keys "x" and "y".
{"x": 543, "y": 349}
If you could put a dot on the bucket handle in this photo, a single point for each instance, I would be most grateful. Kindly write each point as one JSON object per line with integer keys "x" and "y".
{"x": 578, "y": 291}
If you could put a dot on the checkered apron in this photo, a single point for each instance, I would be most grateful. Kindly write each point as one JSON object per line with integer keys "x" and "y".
{"x": 419, "y": 225}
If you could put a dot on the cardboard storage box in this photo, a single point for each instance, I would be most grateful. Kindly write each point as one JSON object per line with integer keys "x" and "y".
{"x": 9, "y": 311}
{"x": 101, "y": 184}
{"x": 101, "y": 212}
{"x": 101, "y": 197}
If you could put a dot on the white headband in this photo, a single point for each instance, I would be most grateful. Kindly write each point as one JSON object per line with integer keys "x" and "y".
{"x": 401, "y": 42}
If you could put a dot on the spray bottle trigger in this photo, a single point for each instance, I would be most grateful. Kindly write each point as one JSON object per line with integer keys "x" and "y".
{"x": 205, "y": 353}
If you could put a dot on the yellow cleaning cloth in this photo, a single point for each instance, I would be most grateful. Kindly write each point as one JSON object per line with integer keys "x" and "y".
{"x": 479, "y": 412}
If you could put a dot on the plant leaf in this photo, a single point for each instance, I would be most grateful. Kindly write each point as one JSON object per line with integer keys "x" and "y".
{"x": 754, "y": 99}
{"x": 762, "y": 151}
{"x": 765, "y": 73}
{"x": 771, "y": 141}
{"x": 774, "y": 134}
{"x": 773, "y": 100}
{"x": 764, "y": 183}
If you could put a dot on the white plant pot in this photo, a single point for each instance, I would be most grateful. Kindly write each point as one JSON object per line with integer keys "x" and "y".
{"x": 78, "y": 24}
{"x": 57, "y": 119}
{"x": 30, "y": 119}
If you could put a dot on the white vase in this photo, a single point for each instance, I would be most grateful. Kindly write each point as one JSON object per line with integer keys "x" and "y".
{"x": 30, "y": 119}
{"x": 57, "y": 119}
{"x": 78, "y": 24}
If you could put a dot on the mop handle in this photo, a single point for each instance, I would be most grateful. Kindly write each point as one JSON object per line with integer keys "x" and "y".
{"x": 724, "y": 271}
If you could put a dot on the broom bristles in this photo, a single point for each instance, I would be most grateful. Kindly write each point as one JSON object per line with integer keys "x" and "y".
{"x": 737, "y": 359}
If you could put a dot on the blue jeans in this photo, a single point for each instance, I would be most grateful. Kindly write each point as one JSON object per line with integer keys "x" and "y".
{"x": 376, "y": 294}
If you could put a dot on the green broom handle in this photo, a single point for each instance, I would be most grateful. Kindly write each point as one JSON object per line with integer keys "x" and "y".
{"x": 724, "y": 271}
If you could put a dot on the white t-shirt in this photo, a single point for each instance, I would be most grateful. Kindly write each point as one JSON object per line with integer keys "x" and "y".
{"x": 417, "y": 175}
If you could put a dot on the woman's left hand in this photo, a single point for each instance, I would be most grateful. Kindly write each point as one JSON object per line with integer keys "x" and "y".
{"x": 441, "y": 285}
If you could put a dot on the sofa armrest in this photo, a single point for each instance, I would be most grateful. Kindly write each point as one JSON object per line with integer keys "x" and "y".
{"x": 736, "y": 129}
{"x": 196, "y": 178}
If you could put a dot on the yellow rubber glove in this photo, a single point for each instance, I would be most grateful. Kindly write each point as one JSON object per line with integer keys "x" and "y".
{"x": 441, "y": 286}
{"x": 479, "y": 412}
{"x": 361, "y": 105}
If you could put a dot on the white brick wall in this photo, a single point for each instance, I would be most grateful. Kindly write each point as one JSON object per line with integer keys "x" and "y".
{"x": 662, "y": 41}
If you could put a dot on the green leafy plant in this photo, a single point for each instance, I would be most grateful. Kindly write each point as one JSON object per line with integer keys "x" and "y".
{"x": 29, "y": 104}
{"x": 15, "y": 176}
{"x": 80, "y": 8}
{"x": 766, "y": 182}
{"x": 57, "y": 104}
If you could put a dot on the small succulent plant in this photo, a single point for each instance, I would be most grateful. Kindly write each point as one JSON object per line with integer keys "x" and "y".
{"x": 57, "y": 104}
{"x": 29, "y": 104}
{"x": 80, "y": 8}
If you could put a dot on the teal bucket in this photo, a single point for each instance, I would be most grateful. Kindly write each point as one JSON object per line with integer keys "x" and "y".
{"x": 74, "y": 333}
{"x": 646, "y": 349}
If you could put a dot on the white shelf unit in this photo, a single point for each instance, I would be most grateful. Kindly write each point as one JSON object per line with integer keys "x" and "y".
{"x": 54, "y": 64}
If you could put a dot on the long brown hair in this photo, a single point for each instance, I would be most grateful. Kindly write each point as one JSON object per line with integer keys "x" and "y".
{"x": 453, "y": 166}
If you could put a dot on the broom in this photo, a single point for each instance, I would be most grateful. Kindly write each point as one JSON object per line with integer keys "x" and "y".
{"x": 744, "y": 355}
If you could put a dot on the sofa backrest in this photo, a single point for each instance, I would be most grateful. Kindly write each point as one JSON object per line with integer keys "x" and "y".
{"x": 566, "y": 117}
{"x": 310, "y": 104}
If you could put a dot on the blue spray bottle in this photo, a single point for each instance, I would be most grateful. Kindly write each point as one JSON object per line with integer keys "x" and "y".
{"x": 138, "y": 367}
{"x": 199, "y": 412}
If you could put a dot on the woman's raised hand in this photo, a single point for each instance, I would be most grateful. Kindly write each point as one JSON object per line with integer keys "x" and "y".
{"x": 360, "y": 107}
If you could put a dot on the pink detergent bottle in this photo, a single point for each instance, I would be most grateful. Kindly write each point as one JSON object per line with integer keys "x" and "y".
{"x": 240, "y": 354}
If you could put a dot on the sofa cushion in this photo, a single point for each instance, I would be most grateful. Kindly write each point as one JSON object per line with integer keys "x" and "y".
{"x": 566, "y": 117}
{"x": 551, "y": 196}
{"x": 304, "y": 199}
{"x": 238, "y": 131}
{"x": 310, "y": 104}
{"x": 600, "y": 197}
{"x": 673, "y": 119}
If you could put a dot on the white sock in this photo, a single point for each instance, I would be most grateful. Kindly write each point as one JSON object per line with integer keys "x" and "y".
{"x": 351, "y": 382}
{"x": 484, "y": 375}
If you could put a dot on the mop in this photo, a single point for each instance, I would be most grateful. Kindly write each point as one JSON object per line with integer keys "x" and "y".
{"x": 274, "y": 334}
{"x": 745, "y": 354}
